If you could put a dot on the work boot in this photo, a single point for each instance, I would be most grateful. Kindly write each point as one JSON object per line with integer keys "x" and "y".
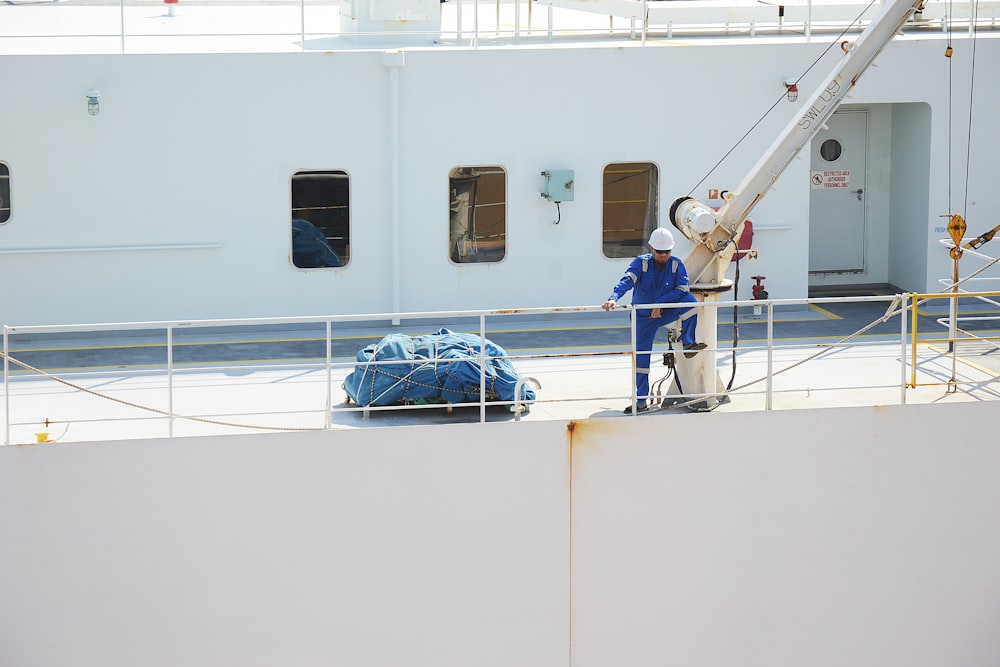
{"x": 639, "y": 409}
{"x": 691, "y": 349}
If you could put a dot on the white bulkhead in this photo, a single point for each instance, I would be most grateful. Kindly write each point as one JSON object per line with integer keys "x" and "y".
{"x": 175, "y": 200}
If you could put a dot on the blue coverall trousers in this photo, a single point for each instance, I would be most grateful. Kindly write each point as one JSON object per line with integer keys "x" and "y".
{"x": 645, "y": 331}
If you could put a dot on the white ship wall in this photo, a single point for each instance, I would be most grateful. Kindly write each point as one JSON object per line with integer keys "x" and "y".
{"x": 174, "y": 202}
{"x": 814, "y": 537}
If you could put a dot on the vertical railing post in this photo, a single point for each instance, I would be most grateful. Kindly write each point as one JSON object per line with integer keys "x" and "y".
{"x": 328, "y": 408}
{"x": 645, "y": 21}
{"x": 902, "y": 348}
{"x": 482, "y": 368}
{"x": 170, "y": 380}
{"x": 953, "y": 325}
{"x": 302, "y": 22}
{"x": 913, "y": 345}
{"x": 770, "y": 356}
{"x": 475, "y": 24}
{"x": 121, "y": 25}
{"x": 635, "y": 398}
{"x": 6, "y": 387}
{"x": 517, "y": 21}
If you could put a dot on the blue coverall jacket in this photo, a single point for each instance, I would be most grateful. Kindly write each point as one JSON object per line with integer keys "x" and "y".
{"x": 652, "y": 285}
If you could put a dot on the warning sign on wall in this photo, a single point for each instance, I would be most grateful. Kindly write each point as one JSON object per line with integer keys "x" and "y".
{"x": 831, "y": 180}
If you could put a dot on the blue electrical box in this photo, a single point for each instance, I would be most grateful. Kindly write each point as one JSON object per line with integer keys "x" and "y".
{"x": 558, "y": 185}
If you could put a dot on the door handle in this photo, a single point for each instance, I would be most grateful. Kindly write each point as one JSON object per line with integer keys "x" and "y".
{"x": 859, "y": 192}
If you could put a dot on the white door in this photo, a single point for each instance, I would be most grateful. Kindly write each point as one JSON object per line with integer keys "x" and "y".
{"x": 837, "y": 202}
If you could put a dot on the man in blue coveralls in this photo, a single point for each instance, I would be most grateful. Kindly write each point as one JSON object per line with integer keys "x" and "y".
{"x": 656, "y": 277}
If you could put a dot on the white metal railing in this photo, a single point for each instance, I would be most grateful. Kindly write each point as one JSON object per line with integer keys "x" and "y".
{"x": 960, "y": 286}
{"x": 577, "y": 358}
{"x": 126, "y": 28}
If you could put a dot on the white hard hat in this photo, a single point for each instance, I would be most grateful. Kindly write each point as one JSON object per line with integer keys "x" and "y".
{"x": 661, "y": 239}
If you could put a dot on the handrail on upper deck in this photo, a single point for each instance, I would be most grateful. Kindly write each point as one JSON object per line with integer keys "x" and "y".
{"x": 908, "y": 340}
{"x": 293, "y": 27}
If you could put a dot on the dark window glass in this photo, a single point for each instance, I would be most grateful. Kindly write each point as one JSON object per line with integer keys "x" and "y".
{"x": 631, "y": 207}
{"x": 4, "y": 193}
{"x": 477, "y": 221}
{"x": 321, "y": 219}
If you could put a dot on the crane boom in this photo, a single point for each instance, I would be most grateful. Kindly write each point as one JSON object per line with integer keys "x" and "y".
{"x": 714, "y": 231}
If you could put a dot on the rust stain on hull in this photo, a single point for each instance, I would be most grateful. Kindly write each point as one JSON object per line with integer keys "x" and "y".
{"x": 577, "y": 431}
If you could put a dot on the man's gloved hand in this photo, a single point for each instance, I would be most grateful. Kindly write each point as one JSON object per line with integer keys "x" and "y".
{"x": 609, "y": 305}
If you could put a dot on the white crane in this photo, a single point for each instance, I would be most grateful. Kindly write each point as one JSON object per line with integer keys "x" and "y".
{"x": 714, "y": 233}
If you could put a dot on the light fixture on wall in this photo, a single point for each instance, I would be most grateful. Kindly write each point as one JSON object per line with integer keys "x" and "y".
{"x": 93, "y": 102}
{"x": 792, "y": 89}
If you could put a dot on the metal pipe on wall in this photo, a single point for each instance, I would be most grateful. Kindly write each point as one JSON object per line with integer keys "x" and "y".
{"x": 394, "y": 60}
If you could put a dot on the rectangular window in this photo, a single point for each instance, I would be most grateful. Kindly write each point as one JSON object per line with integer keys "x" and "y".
{"x": 477, "y": 224}
{"x": 321, "y": 219}
{"x": 4, "y": 193}
{"x": 631, "y": 207}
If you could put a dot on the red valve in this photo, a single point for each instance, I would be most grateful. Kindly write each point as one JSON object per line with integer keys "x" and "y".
{"x": 759, "y": 293}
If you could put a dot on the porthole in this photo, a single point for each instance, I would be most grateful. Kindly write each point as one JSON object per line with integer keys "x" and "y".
{"x": 831, "y": 150}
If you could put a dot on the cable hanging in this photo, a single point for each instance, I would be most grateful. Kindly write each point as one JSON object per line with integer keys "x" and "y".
{"x": 837, "y": 40}
{"x": 973, "y": 17}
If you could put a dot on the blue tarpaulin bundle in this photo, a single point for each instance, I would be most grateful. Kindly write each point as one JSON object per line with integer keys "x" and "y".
{"x": 454, "y": 378}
